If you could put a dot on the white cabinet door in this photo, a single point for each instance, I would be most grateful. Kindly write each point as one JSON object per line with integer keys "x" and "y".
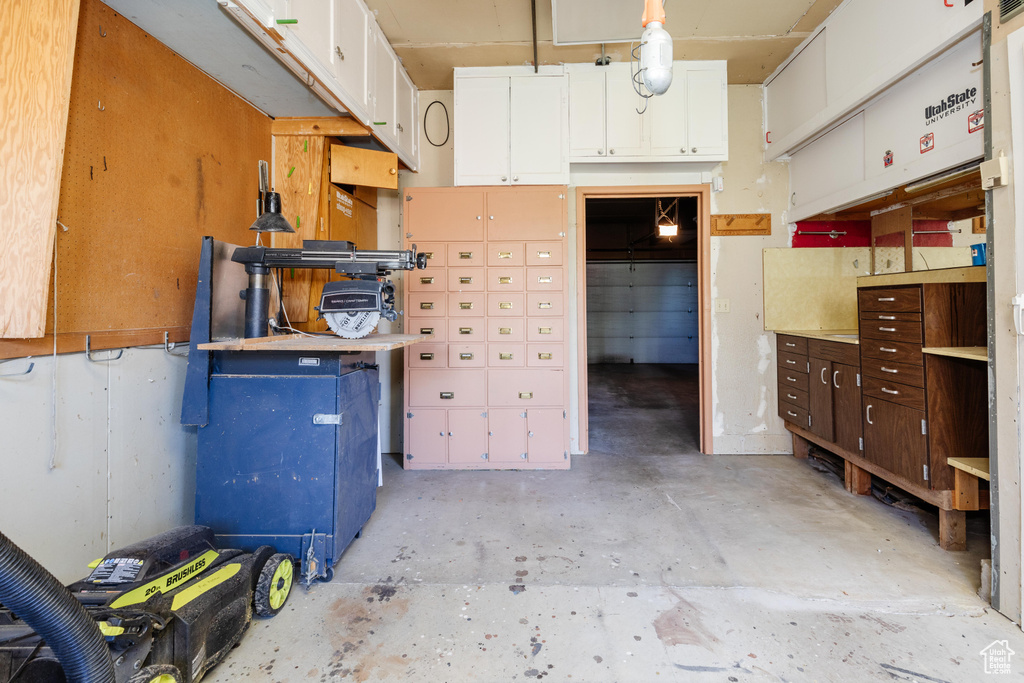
{"x": 481, "y": 131}
{"x": 539, "y": 124}
{"x": 384, "y": 78}
{"x": 587, "y": 113}
{"x": 348, "y": 54}
{"x": 707, "y": 126}
{"x": 666, "y": 118}
{"x": 624, "y": 124}
{"x": 312, "y": 25}
{"x": 408, "y": 117}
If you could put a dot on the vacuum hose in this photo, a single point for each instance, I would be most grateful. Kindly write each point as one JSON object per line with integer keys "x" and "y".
{"x": 35, "y": 595}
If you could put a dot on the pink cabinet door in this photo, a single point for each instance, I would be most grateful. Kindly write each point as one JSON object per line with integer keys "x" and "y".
{"x": 525, "y": 388}
{"x": 506, "y": 330}
{"x": 426, "y": 438}
{"x": 435, "y": 253}
{"x": 545, "y": 279}
{"x": 505, "y": 279}
{"x": 463, "y": 279}
{"x": 466, "y": 356}
{"x": 455, "y": 215}
{"x": 545, "y": 305}
{"x": 467, "y": 436}
{"x": 463, "y": 330}
{"x": 506, "y": 441}
{"x": 528, "y": 213}
{"x": 506, "y": 355}
{"x": 544, "y": 254}
{"x": 422, "y": 281}
{"x": 463, "y": 304}
{"x": 436, "y": 327}
{"x": 429, "y": 304}
{"x": 545, "y": 330}
{"x": 446, "y": 388}
{"x": 506, "y": 304}
{"x": 466, "y": 254}
{"x": 427, "y": 355}
{"x": 546, "y": 430}
{"x": 505, "y": 254}
{"x": 545, "y": 355}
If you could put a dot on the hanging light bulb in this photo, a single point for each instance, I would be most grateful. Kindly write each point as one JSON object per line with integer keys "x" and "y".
{"x": 667, "y": 226}
{"x": 655, "y": 48}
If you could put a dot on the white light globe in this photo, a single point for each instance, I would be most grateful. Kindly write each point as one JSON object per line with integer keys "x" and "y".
{"x": 656, "y": 58}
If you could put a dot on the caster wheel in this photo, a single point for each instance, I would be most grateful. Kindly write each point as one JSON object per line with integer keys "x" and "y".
{"x": 274, "y": 585}
{"x": 329, "y": 575}
{"x": 156, "y": 673}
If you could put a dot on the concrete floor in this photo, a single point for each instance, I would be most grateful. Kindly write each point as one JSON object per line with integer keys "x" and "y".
{"x": 645, "y": 562}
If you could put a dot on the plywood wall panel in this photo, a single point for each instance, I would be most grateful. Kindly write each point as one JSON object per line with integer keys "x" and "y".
{"x": 37, "y": 44}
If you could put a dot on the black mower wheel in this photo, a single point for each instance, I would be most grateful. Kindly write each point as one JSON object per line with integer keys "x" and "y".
{"x": 156, "y": 673}
{"x": 274, "y": 585}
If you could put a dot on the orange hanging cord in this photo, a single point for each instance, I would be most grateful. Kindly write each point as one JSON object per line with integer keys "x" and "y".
{"x": 654, "y": 10}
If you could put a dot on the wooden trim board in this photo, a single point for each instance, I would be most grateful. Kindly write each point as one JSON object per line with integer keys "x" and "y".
{"x": 334, "y": 125}
{"x": 299, "y": 342}
{"x": 741, "y": 224}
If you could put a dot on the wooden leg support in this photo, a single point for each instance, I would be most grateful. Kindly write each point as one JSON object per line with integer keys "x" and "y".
{"x": 801, "y": 447}
{"x": 857, "y": 480}
{"x": 952, "y": 529}
{"x": 965, "y": 491}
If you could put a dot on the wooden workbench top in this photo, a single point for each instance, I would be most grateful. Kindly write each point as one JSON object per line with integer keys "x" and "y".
{"x": 978, "y": 353}
{"x": 300, "y": 342}
{"x": 918, "y": 277}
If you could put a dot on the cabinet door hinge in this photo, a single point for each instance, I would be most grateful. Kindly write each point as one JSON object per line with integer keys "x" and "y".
{"x": 858, "y": 381}
{"x": 808, "y": 420}
{"x": 408, "y": 456}
{"x": 924, "y": 426}
{"x": 925, "y": 472}
{"x": 409, "y": 415}
{"x": 808, "y": 367}
{"x": 565, "y": 455}
{"x": 860, "y": 442}
{"x": 483, "y": 456}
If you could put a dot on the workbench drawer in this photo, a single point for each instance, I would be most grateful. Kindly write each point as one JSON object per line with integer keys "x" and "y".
{"x": 465, "y": 254}
{"x": 887, "y": 370}
{"x": 838, "y": 352}
{"x": 792, "y": 361}
{"x": 902, "y": 331}
{"x": 464, "y": 330}
{"x": 791, "y": 344}
{"x": 432, "y": 326}
{"x": 890, "y": 299}
{"x": 428, "y": 356}
{"x": 788, "y": 379}
{"x": 526, "y": 388}
{"x": 506, "y": 279}
{"x": 506, "y": 330}
{"x": 894, "y": 392}
{"x": 426, "y": 304}
{"x": 892, "y": 351}
{"x": 891, "y": 316}
{"x": 793, "y": 413}
{"x": 447, "y": 388}
{"x": 794, "y": 396}
{"x": 466, "y": 304}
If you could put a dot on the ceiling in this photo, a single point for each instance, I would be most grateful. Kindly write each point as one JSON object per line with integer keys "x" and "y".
{"x": 431, "y": 38}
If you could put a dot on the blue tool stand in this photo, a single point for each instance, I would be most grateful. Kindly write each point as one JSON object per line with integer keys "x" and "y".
{"x": 287, "y": 442}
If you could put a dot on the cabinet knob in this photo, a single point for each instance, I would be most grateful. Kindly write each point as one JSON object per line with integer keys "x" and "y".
{"x": 479, "y": 217}
{"x": 694, "y": 150}
{"x": 504, "y": 178}
{"x": 337, "y": 51}
{"x": 515, "y": 179}
{"x": 492, "y": 217}
{"x": 682, "y": 150}
{"x": 611, "y": 151}
{"x": 600, "y": 152}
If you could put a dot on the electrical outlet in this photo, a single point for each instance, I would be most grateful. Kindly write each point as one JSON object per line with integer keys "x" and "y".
{"x": 721, "y": 305}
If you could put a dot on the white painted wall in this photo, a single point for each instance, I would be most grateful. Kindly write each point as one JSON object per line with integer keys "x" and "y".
{"x": 122, "y": 468}
{"x": 742, "y": 354}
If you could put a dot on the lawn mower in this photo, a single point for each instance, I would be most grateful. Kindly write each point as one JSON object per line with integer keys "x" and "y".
{"x": 165, "y": 610}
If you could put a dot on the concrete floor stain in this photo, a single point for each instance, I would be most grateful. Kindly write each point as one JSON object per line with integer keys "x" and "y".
{"x": 682, "y": 625}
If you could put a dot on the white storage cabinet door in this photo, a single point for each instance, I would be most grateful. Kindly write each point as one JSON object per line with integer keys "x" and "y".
{"x": 385, "y": 65}
{"x": 667, "y": 115}
{"x": 707, "y": 126}
{"x": 349, "y": 55}
{"x": 539, "y": 124}
{"x": 625, "y": 126}
{"x": 587, "y": 113}
{"x": 481, "y": 131}
{"x": 407, "y": 107}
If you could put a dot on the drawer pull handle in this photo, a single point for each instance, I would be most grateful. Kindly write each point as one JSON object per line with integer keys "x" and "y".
{"x": 791, "y": 344}
{"x": 447, "y": 395}
{"x": 465, "y": 305}
{"x": 890, "y": 391}
{"x": 835, "y": 379}
{"x": 525, "y": 394}
{"x": 426, "y": 280}
{"x": 544, "y": 330}
{"x": 504, "y": 254}
{"x": 426, "y": 356}
{"x": 882, "y": 348}
{"x": 544, "y": 304}
{"x": 543, "y": 254}
{"x": 504, "y": 356}
{"x": 428, "y": 255}
{"x": 887, "y": 298}
{"x": 791, "y": 413}
{"x": 504, "y": 330}
{"x": 544, "y": 279}
{"x": 465, "y": 330}
{"x": 823, "y": 380}
{"x": 426, "y": 330}
{"x": 791, "y": 397}
{"x": 543, "y": 356}
{"x": 894, "y": 371}
{"x": 791, "y": 362}
{"x": 867, "y": 414}
{"x": 504, "y": 280}
{"x": 886, "y": 329}
{"x": 427, "y": 305}
{"x": 791, "y": 379}
{"x": 465, "y": 356}
{"x": 465, "y": 254}
{"x": 465, "y": 280}
{"x": 505, "y": 305}
{"x": 886, "y": 317}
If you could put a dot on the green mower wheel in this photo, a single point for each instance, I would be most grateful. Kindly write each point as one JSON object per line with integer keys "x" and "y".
{"x": 274, "y": 585}
{"x": 156, "y": 673}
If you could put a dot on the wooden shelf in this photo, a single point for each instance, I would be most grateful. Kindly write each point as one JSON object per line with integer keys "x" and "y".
{"x": 978, "y": 353}
{"x": 298, "y": 342}
{"x": 976, "y": 466}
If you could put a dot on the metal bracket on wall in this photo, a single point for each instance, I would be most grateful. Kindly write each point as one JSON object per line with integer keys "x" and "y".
{"x": 89, "y": 352}
{"x": 169, "y": 347}
{"x": 17, "y": 374}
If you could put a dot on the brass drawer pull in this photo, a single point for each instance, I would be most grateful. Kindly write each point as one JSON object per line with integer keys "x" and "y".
{"x": 886, "y": 317}
{"x": 890, "y": 391}
{"x": 891, "y": 370}
{"x": 886, "y": 329}
{"x": 465, "y": 356}
{"x": 506, "y": 305}
{"x": 465, "y": 305}
{"x": 465, "y": 254}
{"x": 426, "y": 280}
{"x": 427, "y": 305}
{"x": 882, "y": 348}
{"x": 544, "y": 304}
{"x": 504, "y": 280}
{"x": 426, "y": 356}
{"x": 544, "y": 330}
{"x": 465, "y": 330}
{"x": 428, "y": 255}
{"x": 544, "y": 279}
{"x": 504, "y": 330}
{"x": 465, "y": 280}
{"x": 543, "y": 356}
{"x": 447, "y": 395}
{"x": 504, "y": 254}
{"x": 525, "y": 394}
{"x": 887, "y": 298}
{"x": 543, "y": 254}
{"x": 426, "y": 330}
{"x": 504, "y": 356}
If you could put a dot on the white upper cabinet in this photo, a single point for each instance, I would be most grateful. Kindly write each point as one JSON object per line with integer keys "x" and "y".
{"x": 407, "y": 108}
{"x": 385, "y": 64}
{"x": 587, "y": 113}
{"x": 348, "y": 52}
{"x": 666, "y": 118}
{"x": 707, "y": 112}
{"x": 625, "y": 135}
{"x": 511, "y": 129}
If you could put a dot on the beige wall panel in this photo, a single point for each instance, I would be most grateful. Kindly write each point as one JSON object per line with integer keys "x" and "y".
{"x": 813, "y": 289}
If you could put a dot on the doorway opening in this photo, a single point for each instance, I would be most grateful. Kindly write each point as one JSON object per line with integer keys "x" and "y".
{"x": 642, "y": 263}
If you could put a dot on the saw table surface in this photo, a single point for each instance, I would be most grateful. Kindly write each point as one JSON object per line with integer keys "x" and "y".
{"x": 299, "y": 342}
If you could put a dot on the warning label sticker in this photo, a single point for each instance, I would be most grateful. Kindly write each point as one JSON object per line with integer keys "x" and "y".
{"x": 927, "y": 142}
{"x": 116, "y": 570}
{"x": 976, "y": 121}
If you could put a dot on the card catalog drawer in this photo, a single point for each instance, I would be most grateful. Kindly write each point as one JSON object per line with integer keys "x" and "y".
{"x": 465, "y": 254}
{"x": 426, "y": 281}
{"x": 465, "y": 279}
{"x": 465, "y": 304}
{"x": 545, "y": 355}
{"x": 426, "y": 304}
{"x": 501, "y": 254}
{"x": 506, "y": 355}
{"x": 545, "y": 279}
{"x": 438, "y": 327}
{"x": 506, "y": 304}
{"x": 447, "y": 388}
{"x": 427, "y": 355}
{"x": 525, "y": 388}
{"x": 505, "y": 279}
{"x": 463, "y": 330}
{"x": 544, "y": 254}
{"x": 435, "y": 252}
{"x": 466, "y": 356}
{"x": 545, "y": 304}
{"x": 545, "y": 330}
{"x": 506, "y": 330}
